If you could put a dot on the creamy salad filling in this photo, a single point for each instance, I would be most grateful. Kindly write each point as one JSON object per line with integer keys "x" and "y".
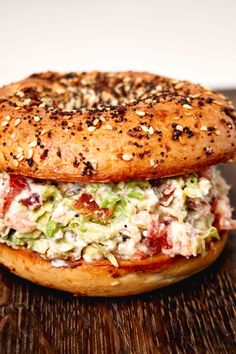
{"x": 127, "y": 220}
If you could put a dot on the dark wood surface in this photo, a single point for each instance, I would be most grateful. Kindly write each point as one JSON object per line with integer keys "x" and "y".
{"x": 194, "y": 316}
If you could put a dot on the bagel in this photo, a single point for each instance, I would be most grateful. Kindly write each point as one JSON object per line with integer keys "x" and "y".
{"x": 144, "y": 125}
{"x": 107, "y": 183}
{"x": 101, "y": 278}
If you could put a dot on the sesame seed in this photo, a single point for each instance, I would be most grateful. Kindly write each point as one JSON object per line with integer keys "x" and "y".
{"x": 18, "y": 156}
{"x": 218, "y": 103}
{"x": 114, "y": 283}
{"x": 70, "y": 124}
{"x": 196, "y": 95}
{"x": 216, "y": 132}
{"x": 108, "y": 127}
{"x": 17, "y": 122}
{"x": 60, "y": 90}
{"x": 158, "y": 88}
{"x": 36, "y": 118}
{"x": 4, "y": 123}
{"x": 17, "y": 108}
{"x": 140, "y": 113}
{"x": 127, "y": 157}
{"x": 102, "y": 118}
{"x": 33, "y": 144}
{"x": 8, "y": 117}
{"x": 27, "y": 101}
{"x": 179, "y": 127}
{"x": 145, "y": 129}
{"x": 151, "y": 130}
{"x": 20, "y": 94}
{"x": 179, "y": 85}
{"x": 154, "y": 163}
{"x": 187, "y": 106}
{"x": 43, "y": 132}
{"x": 15, "y": 163}
{"x": 203, "y": 128}
{"x": 21, "y": 158}
{"x": 91, "y": 129}
{"x": 30, "y": 153}
{"x": 96, "y": 121}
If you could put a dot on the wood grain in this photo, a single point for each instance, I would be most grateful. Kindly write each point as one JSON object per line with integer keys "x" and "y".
{"x": 195, "y": 316}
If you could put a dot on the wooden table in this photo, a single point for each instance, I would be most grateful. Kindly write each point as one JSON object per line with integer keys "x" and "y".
{"x": 194, "y": 316}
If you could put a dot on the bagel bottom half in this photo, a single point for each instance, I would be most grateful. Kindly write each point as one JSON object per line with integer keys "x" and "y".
{"x": 100, "y": 278}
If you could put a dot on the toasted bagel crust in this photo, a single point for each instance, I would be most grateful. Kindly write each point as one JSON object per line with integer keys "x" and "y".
{"x": 100, "y": 278}
{"x": 156, "y": 127}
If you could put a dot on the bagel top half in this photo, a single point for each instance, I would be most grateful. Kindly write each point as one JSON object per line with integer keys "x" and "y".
{"x": 103, "y": 127}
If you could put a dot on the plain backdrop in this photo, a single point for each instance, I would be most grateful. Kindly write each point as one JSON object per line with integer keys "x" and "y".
{"x": 194, "y": 40}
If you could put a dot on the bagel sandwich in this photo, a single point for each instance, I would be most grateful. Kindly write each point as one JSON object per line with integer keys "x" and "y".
{"x": 108, "y": 183}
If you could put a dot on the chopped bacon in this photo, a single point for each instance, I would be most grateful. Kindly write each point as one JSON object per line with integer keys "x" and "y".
{"x": 16, "y": 185}
{"x": 168, "y": 189}
{"x": 4, "y": 190}
{"x": 197, "y": 204}
{"x": 167, "y": 192}
{"x": 86, "y": 205}
{"x": 156, "y": 239}
{"x": 18, "y": 182}
{"x": 221, "y": 209}
{"x": 32, "y": 202}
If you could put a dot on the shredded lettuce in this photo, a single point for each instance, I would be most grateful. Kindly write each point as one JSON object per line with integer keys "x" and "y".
{"x": 120, "y": 208}
{"x": 141, "y": 184}
{"x": 51, "y": 228}
{"x": 212, "y": 233}
{"x": 108, "y": 255}
{"x": 192, "y": 189}
{"x": 33, "y": 235}
{"x": 42, "y": 223}
{"x": 50, "y": 191}
{"x": 108, "y": 200}
{"x": 18, "y": 239}
{"x": 46, "y": 208}
{"x": 92, "y": 232}
{"x": 40, "y": 246}
{"x": 134, "y": 192}
{"x": 197, "y": 188}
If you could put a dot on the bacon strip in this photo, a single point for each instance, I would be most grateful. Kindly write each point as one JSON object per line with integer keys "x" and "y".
{"x": 32, "y": 202}
{"x": 86, "y": 205}
{"x": 167, "y": 192}
{"x": 223, "y": 218}
{"x": 157, "y": 236}
{"x": 16, "y": 184}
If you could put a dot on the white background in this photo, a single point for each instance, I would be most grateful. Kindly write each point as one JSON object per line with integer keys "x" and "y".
{"x": 186, "y": 39}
